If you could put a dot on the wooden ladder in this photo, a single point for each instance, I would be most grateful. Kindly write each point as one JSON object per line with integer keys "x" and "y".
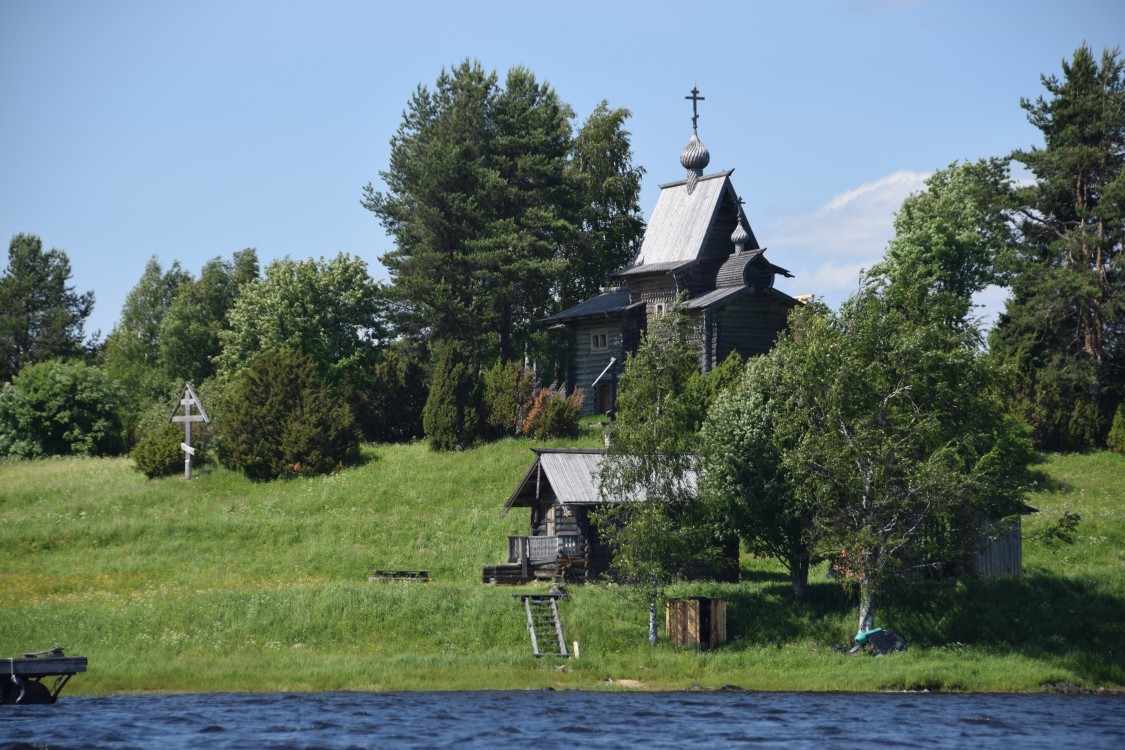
{"x": 543, "y": 624}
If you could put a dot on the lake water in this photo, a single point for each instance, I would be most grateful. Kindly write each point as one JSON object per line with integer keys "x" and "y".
{"x": 569, "y": 720}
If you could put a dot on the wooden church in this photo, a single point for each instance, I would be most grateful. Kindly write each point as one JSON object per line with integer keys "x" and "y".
{"x": 698, "y": 246}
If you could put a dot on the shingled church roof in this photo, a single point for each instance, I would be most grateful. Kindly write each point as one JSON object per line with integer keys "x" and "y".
{"x": 680, "y": 224}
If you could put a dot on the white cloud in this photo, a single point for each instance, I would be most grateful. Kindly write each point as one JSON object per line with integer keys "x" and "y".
{"x": 827, "y": 248}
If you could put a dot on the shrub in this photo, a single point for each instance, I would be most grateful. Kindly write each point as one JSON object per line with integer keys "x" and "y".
{"x": 1116, "y": 438}
{"x": 553, "y": 415}
{"x": 280, "y": 420}
{"x": 396, "y": 398}
{"x": 451, "y": 418}
{"x": 158, "y": 453}
{"x": 60, "y": 408}
{"x": 508, "y": 389}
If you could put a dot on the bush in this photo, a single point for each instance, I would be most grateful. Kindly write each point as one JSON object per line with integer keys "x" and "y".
{"x": 60, "y": 408}
{"x": 396, "y": 397}
{"x": 281, "y": 421}
{"x": 508, "y": 388}
{"x": 1116, "y": 438}
{"x": 158, "y": 453}
{"x": 553, "y": 415}
{"x": 451, "y": 418}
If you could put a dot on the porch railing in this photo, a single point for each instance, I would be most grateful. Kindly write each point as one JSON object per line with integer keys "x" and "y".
{"x": 541, "y": 548}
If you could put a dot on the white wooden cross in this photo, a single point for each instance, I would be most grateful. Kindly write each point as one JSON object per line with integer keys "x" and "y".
{"x": 188, "y": 399}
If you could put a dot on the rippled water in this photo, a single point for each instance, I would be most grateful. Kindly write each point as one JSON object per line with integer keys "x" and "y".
{"x": 570, "y": 719}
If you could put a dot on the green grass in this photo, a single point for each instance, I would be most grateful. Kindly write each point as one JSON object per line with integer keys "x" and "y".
{"x": 224, "y": 584}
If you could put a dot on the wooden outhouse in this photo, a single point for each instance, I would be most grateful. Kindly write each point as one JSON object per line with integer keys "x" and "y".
{"x": 696, "y": 621}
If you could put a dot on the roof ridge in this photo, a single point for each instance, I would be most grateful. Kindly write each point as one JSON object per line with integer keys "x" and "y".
{"x": 713, "y": 176}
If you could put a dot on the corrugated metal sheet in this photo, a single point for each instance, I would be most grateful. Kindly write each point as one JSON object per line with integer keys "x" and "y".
{"x": 573, "y": 476}
{"x": 679, "y": 223}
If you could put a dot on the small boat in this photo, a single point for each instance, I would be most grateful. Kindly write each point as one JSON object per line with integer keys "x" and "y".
{"x": 21, "y": 677}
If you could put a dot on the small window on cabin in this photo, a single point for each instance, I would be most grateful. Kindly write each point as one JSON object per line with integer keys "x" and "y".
{"x": 659, "y": 310}
{"x": 599, "y": 340}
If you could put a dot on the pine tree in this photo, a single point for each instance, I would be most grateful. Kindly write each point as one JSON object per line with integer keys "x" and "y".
{"x": 495, "y": 208}
{"x": 41, "y": 317}
{"x": 1061, "y": 330}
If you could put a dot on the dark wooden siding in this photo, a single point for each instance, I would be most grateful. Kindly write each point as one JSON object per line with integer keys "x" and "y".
{"x": 749, "y": 326}
{"x": 716, "y": 249}
{"x": 588, "y": 363}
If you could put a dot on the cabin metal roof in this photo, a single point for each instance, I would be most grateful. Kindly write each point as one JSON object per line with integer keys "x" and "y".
{"x": 571, "y": 474}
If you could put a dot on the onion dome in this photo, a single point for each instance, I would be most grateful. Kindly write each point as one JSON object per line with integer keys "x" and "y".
{"x": 694, "y": 158}
{"x": 740, "y": 236}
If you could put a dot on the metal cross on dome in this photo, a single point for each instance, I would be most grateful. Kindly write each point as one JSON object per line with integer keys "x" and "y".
{"x": 695, "y": 99}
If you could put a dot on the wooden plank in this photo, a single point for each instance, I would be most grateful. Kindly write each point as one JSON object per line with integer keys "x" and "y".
{"x": 43, "y": 666}
{"x": 400, "y": 575}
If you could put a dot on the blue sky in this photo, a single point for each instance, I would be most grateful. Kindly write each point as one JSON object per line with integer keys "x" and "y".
{"x": 191, "y": 130}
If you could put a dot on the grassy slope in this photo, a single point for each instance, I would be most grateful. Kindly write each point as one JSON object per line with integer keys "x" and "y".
{"x": 223, "y": 584}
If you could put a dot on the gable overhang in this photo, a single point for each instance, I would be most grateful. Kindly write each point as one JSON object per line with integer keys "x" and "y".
{"x": 679, "y": 226}
{"x": 570, "y": 473}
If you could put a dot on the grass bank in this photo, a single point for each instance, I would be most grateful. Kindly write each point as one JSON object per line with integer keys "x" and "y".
{"x": 224, "y": 584}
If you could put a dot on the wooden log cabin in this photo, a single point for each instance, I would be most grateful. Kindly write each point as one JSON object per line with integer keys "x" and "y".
{"x": 699, "y": 248}
{"x": 562, "y": 544}
{"x": 560, "y": 489}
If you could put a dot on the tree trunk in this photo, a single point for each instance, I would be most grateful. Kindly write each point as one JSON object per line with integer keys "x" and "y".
{"x": 866, "y": 606}
{"x": 799, "y": 576}
{"x": 652, "y": 616}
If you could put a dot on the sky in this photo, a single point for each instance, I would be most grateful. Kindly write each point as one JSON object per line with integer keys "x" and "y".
{"x": 188, "y": 131}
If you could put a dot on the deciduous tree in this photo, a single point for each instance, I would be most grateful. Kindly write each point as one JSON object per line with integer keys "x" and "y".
{"x": 888, "y": 438}
{"x": 58, "y": 408}
{"x": 950, "y": 242}
{"x": 654, "y": 520}
{"x": 330, "y": 310}
{"x": 132, "y": 349}
{"x": 189, "y": 333}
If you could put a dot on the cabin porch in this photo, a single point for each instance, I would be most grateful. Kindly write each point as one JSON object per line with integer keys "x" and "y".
{"x": 548, "y": 558}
